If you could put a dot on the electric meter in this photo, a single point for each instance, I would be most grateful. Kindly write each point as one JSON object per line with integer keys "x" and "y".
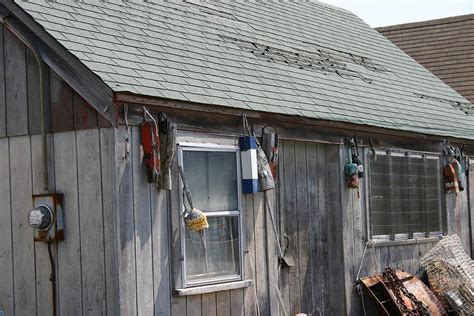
{"x": 47, "y": 217}
{"x": 41, "y": 217}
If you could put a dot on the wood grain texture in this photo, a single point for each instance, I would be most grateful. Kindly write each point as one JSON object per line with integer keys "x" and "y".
{"x": 91, "y": 221}
{"x": 237, "y": 303}
{"x": 85, "y": 117}
{"x": 208, "y": 304}
{"x": 272, "y": 252}
{"x": 334, "y": 177}
{"x": 142, "y": 230}
{"x": 261, "y": 272}
{"x": 15, "y": 86}
{"x": 42, "y": 261}
{"x": 108, "y": 165}
{"x": 62, "y": 115}
{"x": 69, "y": 251}
{"x": 249, "y": 253}
{"x": 471, "y": 202}
{"x": 125, "y": 225}
{"x": 3, "y": 121}
{"x": 22, "y": 234}
{"x": 193, "y": 305}
{"x": 223, "y": 303}
{"x": 6, "y": 253}
{"x": 292, "y": 291}
{"x": 161, "y": 252}
{"x": 302, "y": 224}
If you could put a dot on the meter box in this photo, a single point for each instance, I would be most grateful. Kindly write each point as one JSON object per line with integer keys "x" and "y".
{"x": 47, "y": 217}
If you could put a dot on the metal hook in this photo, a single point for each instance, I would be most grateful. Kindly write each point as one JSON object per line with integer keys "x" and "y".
{"x": 145, "y": 113}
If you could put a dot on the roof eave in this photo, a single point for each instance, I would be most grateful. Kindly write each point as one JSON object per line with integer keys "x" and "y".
{"x": 85, "y": 82}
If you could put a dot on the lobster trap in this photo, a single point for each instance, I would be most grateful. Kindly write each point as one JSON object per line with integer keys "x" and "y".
{"x": 451, "y": 275}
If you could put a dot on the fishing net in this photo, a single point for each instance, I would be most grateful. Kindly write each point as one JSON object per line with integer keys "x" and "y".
{"x": 451, "y": 275}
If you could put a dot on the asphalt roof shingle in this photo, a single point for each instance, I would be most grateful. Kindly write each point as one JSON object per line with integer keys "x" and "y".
{"x": 299, "y": 58}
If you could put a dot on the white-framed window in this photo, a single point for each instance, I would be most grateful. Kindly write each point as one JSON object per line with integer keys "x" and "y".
{"x": 405, "y": 195}
{"x": 213, "y": 176}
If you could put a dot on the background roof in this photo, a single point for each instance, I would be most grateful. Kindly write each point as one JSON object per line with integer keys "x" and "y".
{"x": 443, "y": 46}
{"x": 299, "y": 58}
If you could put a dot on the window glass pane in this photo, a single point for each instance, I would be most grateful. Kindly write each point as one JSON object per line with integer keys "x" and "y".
{"x": 379, "y": 195}
{"x": 214, "y": 252}
{"x": 405, "y": 195}
{"x": 212, "y": 179}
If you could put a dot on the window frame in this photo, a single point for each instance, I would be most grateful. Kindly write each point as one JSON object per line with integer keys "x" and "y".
{"x": 211, "y": 147}
{"x": 403, "y": 237}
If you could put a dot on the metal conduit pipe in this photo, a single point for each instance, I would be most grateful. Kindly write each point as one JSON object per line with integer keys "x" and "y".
{"x": 36, "y": 54}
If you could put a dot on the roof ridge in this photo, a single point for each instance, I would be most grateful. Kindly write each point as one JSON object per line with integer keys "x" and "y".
{"x": 411, "y": 25}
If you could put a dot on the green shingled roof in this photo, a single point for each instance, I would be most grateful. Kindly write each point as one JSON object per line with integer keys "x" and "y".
{"x": 299, "y": 58}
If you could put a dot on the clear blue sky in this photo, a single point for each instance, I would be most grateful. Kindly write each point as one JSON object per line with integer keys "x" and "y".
{"x": 388, "y": 12}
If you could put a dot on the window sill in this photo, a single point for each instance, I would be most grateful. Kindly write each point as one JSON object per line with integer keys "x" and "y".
{"x": 404, "y": 242}
{"x": 213, "y": 288}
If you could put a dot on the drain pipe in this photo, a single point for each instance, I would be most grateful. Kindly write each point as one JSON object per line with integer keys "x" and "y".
{"x": 39, "y": 62}
{"x": 44, "y": 139}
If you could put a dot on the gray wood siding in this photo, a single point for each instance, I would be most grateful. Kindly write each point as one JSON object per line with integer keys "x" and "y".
{"x": 145, "y": 262}
{"x": 310, "y": 212}
{"x": 81, "y": 169}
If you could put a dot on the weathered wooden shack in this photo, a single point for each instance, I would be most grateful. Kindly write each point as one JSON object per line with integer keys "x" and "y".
{"x": 76, "y": 77}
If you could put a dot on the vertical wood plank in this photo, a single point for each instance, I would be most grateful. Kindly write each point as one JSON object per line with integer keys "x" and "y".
{"x": 261, "y": 273}
{"x": 161, "y": 257}
{"x": 286, "y": 151}
{"x": 42, "y": 261}
{"x": 143, "y": 240}
{"x": 320, "y": 217}
{"x": 249, "y": 253}
{"x": 107, "y": 157}
{"x": 90, "y": 214}
{"x": 178, "y": 304}
{"x": 85, "y": 117}
{"x": 208, "y": 304}
{"x": 3, "y": 121}
{"x": 61, "y": 104}
{"x": 23, "y": 244}
{"x": 15, "y": 86}
{"x": 223, "y": 303}
{"x": 302, "y": 227}
{"x": 334, "y": 176}
{"x": 193, "y": 305}
{"x": 237, "y": 303}
{"x": 6, "y": 255}
{"x": 470, "y": 177}
{"x": 69, "y": 250}
{"x": 272, "y": 258}
{"x": 293, "y": 291}
{"x": 126, "y": 226}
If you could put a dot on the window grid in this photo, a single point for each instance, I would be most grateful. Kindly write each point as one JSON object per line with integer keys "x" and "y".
{"x": 405, "y": 196}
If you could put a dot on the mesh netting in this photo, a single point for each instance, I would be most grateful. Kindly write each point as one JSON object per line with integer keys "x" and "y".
{"x": 451, "y": 275}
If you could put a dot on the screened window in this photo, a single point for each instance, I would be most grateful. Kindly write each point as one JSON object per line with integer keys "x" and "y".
{"x": 213, "y": 255}
{"x": 406, "y": 196}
